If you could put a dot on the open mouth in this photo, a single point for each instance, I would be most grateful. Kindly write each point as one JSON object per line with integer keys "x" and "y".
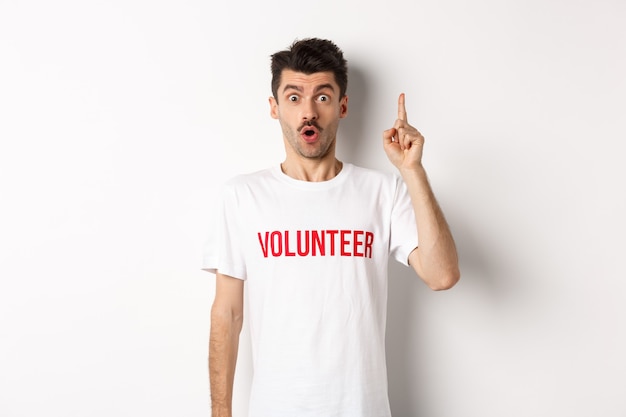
{"x": 309, "y": 134}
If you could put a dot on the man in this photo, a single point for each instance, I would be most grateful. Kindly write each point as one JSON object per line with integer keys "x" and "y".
{"x": 311, "y": 240}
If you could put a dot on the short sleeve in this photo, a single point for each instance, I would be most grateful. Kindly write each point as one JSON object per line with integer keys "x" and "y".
{"x": 222, "y": 251}
{"x": 403, "y": 239}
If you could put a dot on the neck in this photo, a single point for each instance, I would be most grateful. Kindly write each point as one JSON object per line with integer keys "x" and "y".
{"x": 314, "y": 170}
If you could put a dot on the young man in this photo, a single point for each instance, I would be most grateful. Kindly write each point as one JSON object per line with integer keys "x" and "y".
{"x": 311, "y": 239}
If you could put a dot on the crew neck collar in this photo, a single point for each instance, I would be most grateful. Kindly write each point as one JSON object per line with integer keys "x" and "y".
{"x": 313, "y": 185}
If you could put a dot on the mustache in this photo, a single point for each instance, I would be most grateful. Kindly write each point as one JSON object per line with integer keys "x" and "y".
{"x": 310, "y": 123}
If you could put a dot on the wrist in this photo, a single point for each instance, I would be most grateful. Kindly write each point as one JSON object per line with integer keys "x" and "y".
{"x": 416, "y": 171}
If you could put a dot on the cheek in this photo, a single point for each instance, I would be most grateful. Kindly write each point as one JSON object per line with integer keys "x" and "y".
{"x": 286, "y": 127}
{"x": 285, "y": 112}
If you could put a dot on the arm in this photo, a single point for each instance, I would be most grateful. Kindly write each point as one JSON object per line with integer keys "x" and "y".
{"x": 226, "y": 322}
{"x": 435, "y": 260}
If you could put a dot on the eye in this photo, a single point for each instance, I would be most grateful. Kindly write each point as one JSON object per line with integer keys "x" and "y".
{"x": 292, "y": 98}
{"x": 323, "y": 97}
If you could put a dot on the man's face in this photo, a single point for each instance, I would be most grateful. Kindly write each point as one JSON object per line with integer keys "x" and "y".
{"x": 308, "y": 108}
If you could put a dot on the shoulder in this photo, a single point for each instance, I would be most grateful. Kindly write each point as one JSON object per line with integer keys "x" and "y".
{"x": 372, "y": 176}
{"x": 250, "y": 179}
{"x": 247, "y": 187}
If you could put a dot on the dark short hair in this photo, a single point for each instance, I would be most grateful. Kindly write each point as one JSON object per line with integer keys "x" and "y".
{"x": 309, "y": 56}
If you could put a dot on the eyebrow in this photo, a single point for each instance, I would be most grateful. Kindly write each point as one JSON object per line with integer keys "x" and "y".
{"x": 317, "y": 89}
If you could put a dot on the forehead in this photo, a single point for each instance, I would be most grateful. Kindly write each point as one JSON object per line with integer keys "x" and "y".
{"x": 300, "y": 79}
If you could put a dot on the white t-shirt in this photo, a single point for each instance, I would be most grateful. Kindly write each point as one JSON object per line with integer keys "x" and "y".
{"x": 314, "y": 257}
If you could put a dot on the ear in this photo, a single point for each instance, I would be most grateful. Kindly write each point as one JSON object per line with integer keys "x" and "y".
{"x": 273, "y": 107}
{"x": 343, "y": 107}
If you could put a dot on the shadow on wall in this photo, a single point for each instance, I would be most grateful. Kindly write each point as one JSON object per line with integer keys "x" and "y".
{"x": 403, "y": 320}
{"x": 354, "y": 141}
{"x": 483, "y": 282}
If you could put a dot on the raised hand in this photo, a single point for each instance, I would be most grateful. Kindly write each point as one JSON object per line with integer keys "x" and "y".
{"x": 403, "y": 143}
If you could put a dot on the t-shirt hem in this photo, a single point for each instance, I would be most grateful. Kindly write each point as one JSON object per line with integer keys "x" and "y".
{"x": 231, "y": 271}
{"x": 402, "y": 255}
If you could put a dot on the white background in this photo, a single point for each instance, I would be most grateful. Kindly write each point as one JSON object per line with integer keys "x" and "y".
{"x": 119, "y": 120}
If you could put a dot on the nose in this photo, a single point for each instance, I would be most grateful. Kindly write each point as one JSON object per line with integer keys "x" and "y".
{"x": 309, "y": 111}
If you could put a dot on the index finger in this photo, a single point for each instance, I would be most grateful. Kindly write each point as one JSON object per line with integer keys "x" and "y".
{"x": 401, "y": 108}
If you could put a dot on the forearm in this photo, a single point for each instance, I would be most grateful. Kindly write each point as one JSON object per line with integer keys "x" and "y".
{"x": 436, "y": 259}
{"x": 223, "y": 348}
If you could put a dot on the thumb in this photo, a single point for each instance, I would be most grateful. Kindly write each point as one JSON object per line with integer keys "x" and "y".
{"x": 388, "y": 135}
